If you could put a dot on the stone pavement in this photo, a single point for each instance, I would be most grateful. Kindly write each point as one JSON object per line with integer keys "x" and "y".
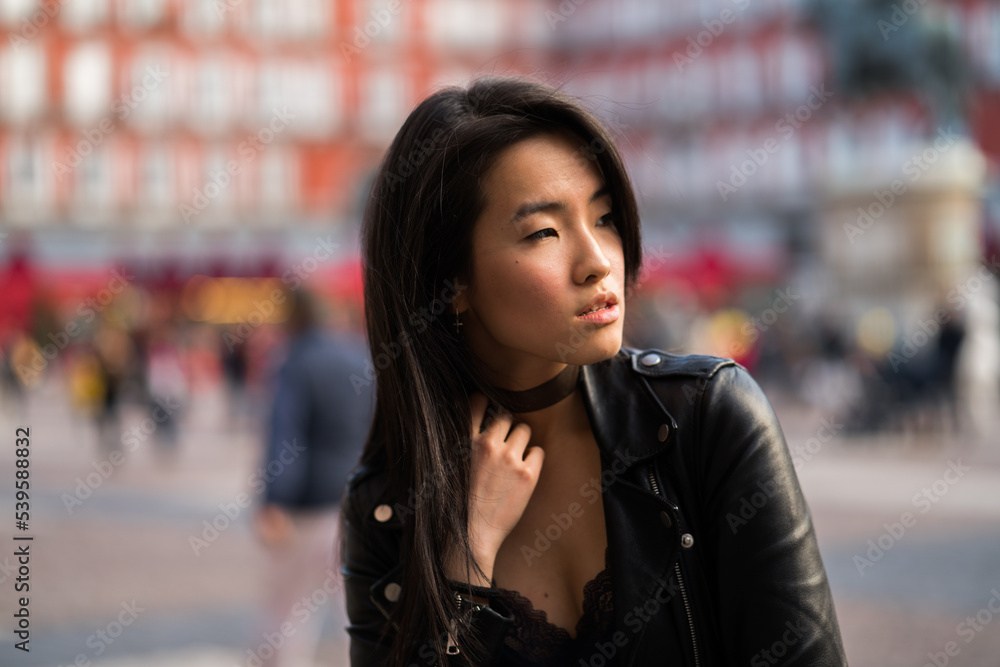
{"x": 909, "y": 530}
{"x": 126, "y": 545}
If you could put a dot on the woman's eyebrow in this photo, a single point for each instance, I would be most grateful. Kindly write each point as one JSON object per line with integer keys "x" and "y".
{"x": 529, "y": 208}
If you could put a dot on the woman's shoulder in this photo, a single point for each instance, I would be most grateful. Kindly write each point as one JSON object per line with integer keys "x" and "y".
{"x": 655, "y": 362}
{"x": 366, "y": 495}
{"x": 702, "y": 383}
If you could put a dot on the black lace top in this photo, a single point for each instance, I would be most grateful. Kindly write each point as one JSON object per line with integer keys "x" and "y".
{"x": 534, "y": 642}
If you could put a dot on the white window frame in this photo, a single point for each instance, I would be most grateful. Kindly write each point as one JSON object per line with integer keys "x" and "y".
{"x": 82, "y": 15}
{"x": 87, "y": 83}
{"x": 23, "y": 70}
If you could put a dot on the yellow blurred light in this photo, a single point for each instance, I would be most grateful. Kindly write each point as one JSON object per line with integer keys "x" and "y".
{"x": 726, "y": 331}
{"x": 191, "y": 298}
{"x": 876, "y": 331}
{"x": 234, "y": 300}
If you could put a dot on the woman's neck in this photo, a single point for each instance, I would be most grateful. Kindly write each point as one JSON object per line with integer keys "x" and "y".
{"x": 553, "y": 426}
{"x": 544, "y": 394}
{"x": 551, "y": 400}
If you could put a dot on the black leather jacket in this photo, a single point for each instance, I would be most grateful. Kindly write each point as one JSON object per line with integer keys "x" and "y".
{"x": 713, "y": 555}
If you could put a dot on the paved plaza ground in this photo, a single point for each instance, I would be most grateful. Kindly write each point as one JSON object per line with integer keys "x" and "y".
{"x": 907, "y": 597}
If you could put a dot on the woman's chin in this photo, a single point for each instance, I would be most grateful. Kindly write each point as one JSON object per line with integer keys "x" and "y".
{"x": 594, "y": 351}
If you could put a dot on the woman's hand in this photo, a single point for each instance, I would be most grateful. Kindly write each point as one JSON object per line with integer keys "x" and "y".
{"x": 274, "y": 526}
{"x": 504, "y": 472}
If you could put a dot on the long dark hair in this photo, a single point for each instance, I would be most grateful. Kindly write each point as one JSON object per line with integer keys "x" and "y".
{"x": 416, "y": 243}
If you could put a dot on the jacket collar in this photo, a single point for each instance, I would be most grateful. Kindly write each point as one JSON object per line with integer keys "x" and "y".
{"x": 628, "y": 420}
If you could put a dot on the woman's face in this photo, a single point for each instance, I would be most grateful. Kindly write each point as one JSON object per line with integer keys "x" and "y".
{"x": 544, "y": 250}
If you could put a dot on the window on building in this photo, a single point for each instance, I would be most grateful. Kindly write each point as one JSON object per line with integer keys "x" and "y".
{"x": 28, "y": 177}
{"x": 306, "y": 89}
{"x": 83, "y": 14}
{"x": 156, "y": 185}
{"x": 797, "y": 64}
{"x": 12, "y": 11}
{"x": 270, "y": 90}
{"x": 93, "y": 180}
{"x": 390, "y": 23}
{"x": 455, "y": 23}
{"x": 308, "y": 95}
{"x": 148, "y": 98}
{"x": 218, "y": 186}
{"x": 277, "y": 174}
{"x": 384, "y": 100}
{"x": 205, "y": 18}
{"x": 633, "y": 18}
{"x": 214, "y": 87}
{"x": 141, "y": 14}
{"x": 788, "y": 175}
{"x": 670, "y": 87}
{"x": 267, "y": 18}
{"x": 87, "y": 83}
{"x": 22, "y": 82}
{"x": 841, "y": 150}
{"x": 308, "y": 18}
{"x": 698, "y": 86}
{"x": 745, "y": 77}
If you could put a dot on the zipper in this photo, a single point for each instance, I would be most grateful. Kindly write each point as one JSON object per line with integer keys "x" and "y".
{"x": 680, "y": 581}
{"x": 687, "y": 608}
{"x": 652, "y": 482}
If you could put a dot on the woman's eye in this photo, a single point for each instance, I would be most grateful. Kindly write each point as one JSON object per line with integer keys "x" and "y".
{"x": 541, "y": 233}
{"x": 605, "y": 221}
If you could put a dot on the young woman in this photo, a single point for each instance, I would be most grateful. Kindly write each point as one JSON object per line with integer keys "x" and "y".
{"x": 531, "y": 492}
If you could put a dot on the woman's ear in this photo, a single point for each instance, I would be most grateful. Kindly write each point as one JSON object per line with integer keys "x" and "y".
{"x": 460, "y": 298}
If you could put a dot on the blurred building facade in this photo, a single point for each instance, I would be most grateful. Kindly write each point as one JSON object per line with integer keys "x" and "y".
{"x": 180, "y": 114}
{"x": 237, "y": 139}
{"x": 156, "y": 113}
{"x": 219, "y": 138}
{"x": 734, "y": 119}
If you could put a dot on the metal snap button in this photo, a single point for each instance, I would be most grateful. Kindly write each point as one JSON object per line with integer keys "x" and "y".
{"x": 392, "y": 591}
{"x": 687, "y": 540}
{"x": 663, "y": 433}
{"x": 650, "y": 359}
{"x": 383, "y": 513}
{"x": 665, "y": 518}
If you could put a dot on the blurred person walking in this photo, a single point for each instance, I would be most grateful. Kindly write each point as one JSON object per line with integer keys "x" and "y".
{"x": 235, "y": 368}
{"x": 317, "y": 428}
{"x": 115, "y": 357}
{"x": 166, "y": 388}
{"x": 13, "y": 352}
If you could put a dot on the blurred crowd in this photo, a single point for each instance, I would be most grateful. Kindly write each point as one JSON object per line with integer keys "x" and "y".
{"x": 874, "y": 377}
{"x": 143, "y": 351}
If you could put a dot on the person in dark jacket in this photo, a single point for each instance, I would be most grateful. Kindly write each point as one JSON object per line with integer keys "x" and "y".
{"x": 316, "y": 430}
{"x": 531, "y": 492}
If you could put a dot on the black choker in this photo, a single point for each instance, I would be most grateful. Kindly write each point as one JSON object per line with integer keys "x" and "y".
{"x": 546, "y": 394}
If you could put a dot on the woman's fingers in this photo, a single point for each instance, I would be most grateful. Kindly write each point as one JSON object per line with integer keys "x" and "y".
{"x": 477, "y": 403}
{"x": 505, "y": 469}
{"x": 533, "y": 459}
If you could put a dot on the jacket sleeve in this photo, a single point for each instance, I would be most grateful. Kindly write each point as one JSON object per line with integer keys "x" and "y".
{"x": 364, "y": 559}
{"x": 773, "y": 595}
{"x": 369, "y": 564}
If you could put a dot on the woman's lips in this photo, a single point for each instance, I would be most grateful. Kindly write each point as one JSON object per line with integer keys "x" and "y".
{"x": 604, "y": 315}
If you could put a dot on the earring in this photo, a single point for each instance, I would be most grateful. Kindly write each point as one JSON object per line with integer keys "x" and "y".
{"x": 458, "y": 323}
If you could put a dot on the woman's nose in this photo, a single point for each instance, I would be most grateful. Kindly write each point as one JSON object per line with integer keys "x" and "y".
{"x": 592, "y": 257}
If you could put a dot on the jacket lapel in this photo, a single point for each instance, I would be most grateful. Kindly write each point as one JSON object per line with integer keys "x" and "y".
{"x": 642, "y": 527}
